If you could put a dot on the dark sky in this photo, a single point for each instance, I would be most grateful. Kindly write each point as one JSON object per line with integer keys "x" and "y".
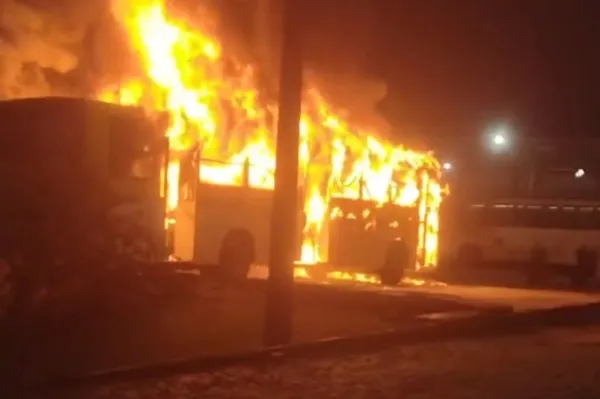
{"x": 455, "y": 66}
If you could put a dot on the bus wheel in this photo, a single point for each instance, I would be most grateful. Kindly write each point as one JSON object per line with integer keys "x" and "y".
{"x": 236, "y": 254}
{"x": 396, "y": 262}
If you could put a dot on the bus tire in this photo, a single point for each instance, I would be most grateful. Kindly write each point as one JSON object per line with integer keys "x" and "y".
{"x": 237, "y": 253}
{"x": 395, "y": 264}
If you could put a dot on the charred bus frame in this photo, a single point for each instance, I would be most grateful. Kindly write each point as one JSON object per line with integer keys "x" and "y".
{"x": 207, "y": 211}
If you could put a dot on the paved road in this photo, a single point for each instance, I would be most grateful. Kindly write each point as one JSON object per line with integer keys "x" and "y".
{"x": 552, "y": 364}
{"x": 519, "y": 298}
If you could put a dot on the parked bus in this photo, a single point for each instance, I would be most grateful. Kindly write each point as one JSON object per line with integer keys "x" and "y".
{"x": 505, "y": 232}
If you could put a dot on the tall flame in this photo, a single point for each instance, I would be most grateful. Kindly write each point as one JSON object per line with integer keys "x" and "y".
{"x": 214, "y": 103}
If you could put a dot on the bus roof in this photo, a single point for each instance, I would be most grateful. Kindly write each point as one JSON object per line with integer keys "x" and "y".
{"x": 537, "y": 202}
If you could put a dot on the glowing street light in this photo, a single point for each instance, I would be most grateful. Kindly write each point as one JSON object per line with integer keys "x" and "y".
{"x": 579, "y": 173}
{"x": 498, "y": 139}
{"x": 447, "y": 166}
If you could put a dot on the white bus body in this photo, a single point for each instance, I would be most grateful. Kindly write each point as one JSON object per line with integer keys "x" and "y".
{"x": 506, "y": 231}
{"x": 202, "y": 222}
{"x": 355, "y": 233}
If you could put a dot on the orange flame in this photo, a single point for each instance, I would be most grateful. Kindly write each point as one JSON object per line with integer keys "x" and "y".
{"x": 223, "y": 113}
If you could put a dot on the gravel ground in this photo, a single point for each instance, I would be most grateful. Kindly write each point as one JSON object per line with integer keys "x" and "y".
{"x": 553, "y": 364}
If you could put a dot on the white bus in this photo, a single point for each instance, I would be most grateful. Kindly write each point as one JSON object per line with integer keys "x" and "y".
{"x": 355, "y": 236}
{"x": 504, "y": 232}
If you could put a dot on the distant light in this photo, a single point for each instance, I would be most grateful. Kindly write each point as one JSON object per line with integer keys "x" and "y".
{"x": 499, "y": 139}
{"x": 579, "y": 173}
{"x": 447, "y": 166}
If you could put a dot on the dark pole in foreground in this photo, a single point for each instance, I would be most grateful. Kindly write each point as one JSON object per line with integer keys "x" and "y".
{"x": 279, "y": 307}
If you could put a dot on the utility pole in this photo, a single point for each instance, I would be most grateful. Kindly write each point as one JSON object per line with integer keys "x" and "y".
{"x": 268, "y": 30}
{"x": 280, "y": 285}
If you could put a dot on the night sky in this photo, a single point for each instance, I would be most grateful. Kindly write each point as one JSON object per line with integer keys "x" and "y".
{"x": 455, "y": 67}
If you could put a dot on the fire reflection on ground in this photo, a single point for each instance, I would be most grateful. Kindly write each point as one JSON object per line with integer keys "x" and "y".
{"x": 322, "y": 275}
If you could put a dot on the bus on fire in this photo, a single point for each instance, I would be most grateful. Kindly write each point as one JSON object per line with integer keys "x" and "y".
{"x": 355, "y": 235}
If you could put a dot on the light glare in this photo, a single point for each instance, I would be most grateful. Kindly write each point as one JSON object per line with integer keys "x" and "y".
{"x": 499, "y": 139}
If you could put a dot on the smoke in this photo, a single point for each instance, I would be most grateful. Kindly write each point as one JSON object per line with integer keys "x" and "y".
{"x": 37, "y": 41}
{"x": 354, "y": 94}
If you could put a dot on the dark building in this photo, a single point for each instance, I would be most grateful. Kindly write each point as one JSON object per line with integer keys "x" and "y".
{"x": 533, "y": 168}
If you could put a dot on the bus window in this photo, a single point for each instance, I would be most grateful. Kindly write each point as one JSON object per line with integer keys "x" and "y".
{"x": 143, "y": 167}
{"x": 538, "y": 217}
{"x": 504, "y": 216}
{"x": 133, "y": 145}
{"x": 471, "y": 216}
{"x": 128, "y": 164}
{"x": 497, "y": 216}
{"x": 130, "y": 159}
{"x": 549, "y": 218}
{"x": 586, "y": 220}
{"x": 594, "y": 218}
{"x": 527, "y": 217}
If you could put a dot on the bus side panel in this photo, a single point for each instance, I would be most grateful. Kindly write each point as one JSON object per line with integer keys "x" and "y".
{"x": 220, "y": 209}
{"x": 516, "y": 243}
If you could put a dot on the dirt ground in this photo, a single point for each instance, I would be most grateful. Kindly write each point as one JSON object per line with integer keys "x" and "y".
{"x": 196, "y": 319}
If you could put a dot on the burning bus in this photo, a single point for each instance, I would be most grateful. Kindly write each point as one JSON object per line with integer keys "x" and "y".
{"x": 112, "y": 161}
{"x": 222, "y": 154}
{"x": 354, "y": 232}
